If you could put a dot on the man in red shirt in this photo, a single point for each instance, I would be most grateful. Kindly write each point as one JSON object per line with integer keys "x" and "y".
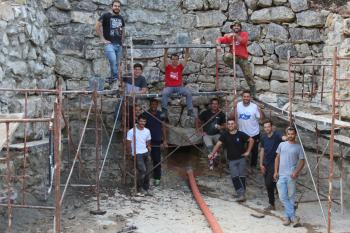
{"x": 174, "y": 83}
{"x": 241, "y": 41}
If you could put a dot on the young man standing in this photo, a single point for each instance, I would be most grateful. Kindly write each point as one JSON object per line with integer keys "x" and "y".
{"x": 269, "y": 143}
{"x": 237, "y": 154}
{"x": 141, "y": 151}
{"x": 240, "y": 39}
{"x": 174, "y": 82}
{"x": 158, "y": 135}
{"x": 110, "y": 28}
{"x": 214, "y": 120}
{"x": 247, "y": 116}
{"x": 288, "y": 164}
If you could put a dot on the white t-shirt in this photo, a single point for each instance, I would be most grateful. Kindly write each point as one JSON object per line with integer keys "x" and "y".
{"x": 142, "y": 136}
{"x": 248, "y": 119}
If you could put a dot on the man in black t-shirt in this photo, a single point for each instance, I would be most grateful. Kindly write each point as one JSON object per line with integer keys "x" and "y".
{"x": 214, "y": 120}
{"x": 110, "y": 28}
{"x": 237, "y": 155}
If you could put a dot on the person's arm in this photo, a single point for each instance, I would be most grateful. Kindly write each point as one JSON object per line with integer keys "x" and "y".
{"x": 198, "y": 124}
{"x": 165, "y": 59}
{"x": 128, "y": 147}
{"x": 261, "y": 113}
{"x": 187, "y": 55}
{"x": 99, "y": 31}
{"x": 277, "y": 163}
{"x": 215, "y": 149}
{"x": 297, "y": 170}
{"x": 224, "y": 39}
{"x": 249, "y": 148}
{"x": 165, "y": 135}
{"x": 262, "y": 155}
{"x": 148, "y": 145}
{"x": 233, "y": 114}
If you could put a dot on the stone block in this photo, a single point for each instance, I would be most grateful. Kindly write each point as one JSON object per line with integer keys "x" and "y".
{"x": 103, "y": 2}
{"x": 81, "y": 30}
{"x": 298, "y": 5}
{"x": 191, "y": 68}
{"x": 210, "y": 59}
{"x": 276, "y": 32}
{"x": 254, "y": 31}
{"x": 251, "y": 4}
{"x": 282, "y": 87}
{"x": 72, "y": 67}
{"x": 255, "y": 50}
{"x": 282, "y": 51}
{"x": 68, "y": 45}
{"x": 344, "y": 49}
{"x": 152, "y": 74}
{"x": 262, "y": 71}
{"x": 206, "y": 79}
{"x": 86, "y": 6}
{"x": 210, "y": 19}
{"x": 83, "y": 17}
{"x": 301, "y": 35}
{"x": 310, "y": 19}
{"x": 303, "y": 50}
{"x": 46, "y": 3}
{"x": 63, "y": 5}
{"x": 257, "y": 60}
{"x": 146, "y": 16}
{"x": 265, "y": 3}
{"x": 6, "y": 12}
{"x": 279, "y": 2}
{"x": 101, "y": 67}
{"x": 261, "y": 84}
{"x": 57, "y": 17}
{"x": 18, "y": 67}
{"x": 237, "y": 11}
{"x": 346, "y": 30}
{"x": 49, "y": 58}
{"x": 279, "y": 14}
{"x": 207, "y": 87}
{"x": 193, "y": 4}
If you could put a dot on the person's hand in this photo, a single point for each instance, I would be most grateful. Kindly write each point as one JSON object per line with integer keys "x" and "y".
{"x": 294, "y": 175}
{"x": 275, "y": 176}
{"x": 235, "y": 102}
{"x": 262, "y": 169}
{"x": 165, "y": 144}
{"x": 246, "y": 154}
{"x": 104, "y": 41}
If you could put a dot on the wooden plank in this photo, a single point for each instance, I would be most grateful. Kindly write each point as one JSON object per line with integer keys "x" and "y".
{"x": 12, "y": 127}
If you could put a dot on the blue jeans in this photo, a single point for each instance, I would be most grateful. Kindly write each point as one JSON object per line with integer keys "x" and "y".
{"x": 113, "y": 53}
{"x": 180, "y": 90}
{"x": 286, "y": 187}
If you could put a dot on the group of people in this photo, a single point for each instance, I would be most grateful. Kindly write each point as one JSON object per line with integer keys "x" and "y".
{"x": 281, "y": 158}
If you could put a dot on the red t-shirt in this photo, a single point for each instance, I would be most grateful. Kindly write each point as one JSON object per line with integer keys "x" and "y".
{"x": 173, "y": 75}
{"x": 240, "y": 46}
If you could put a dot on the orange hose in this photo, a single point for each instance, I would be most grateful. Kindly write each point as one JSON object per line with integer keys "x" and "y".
{"x": 201, "y": 203}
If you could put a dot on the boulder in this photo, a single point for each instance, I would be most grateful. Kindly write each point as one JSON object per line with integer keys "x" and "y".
{"x": 207, "y": 87}
{"x": 257, "y": 60}
{"x": 346, "y": 29}
{"x": 57, "y": 17}
{"x": 280, "y": 75}
{"x": 69, "y": 45}
{"x": 301, "y": 35}
{"x": 251, "y": 4}
{"x": 83, "y": 17}
{"x": 192, "y": 4}
{"x": 279, "y": 14}
{"x": 298, "y": 5}
{"x": 103, "y": 2}
{"x": 276, "y": 32}
{"x": 262, "y": 71}
{"x": 310, "y": 19}
{"x": 152, "y": 74}
{"x": 101, "y": 67}
{"x": 261, "y": 84}
{"x": 265, "y": 3}
{"x": 86, "y": 6}
{"x": 63, "y": 4}
{"x": 210, "y": 59}
{"x": 18, "y": 67}
{"x": 253, "y": 31}
{"x": 6, "y": 12}
{"x": 344, "y": 49}
{"x": 237, "y": 11}
{"x": 146, "y": 16}
{"x": 268, "y": 47}
{"x": 282, "y": 51}
{"x": 279, "y": 2}
{"x": 255, "y": 50}
{"x": 76, "y": 29}
{"x": 210, "y": 19}
{"x": 72, "y": 67}
{"x": 303, "y": 50}
{"x": 283, "y": 87}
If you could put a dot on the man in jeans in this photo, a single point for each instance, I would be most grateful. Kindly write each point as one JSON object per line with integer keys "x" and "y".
{"x": 237, "y": 154}
{"x": 288, "y": 164}
{"x": 270, "y": 140}
{"x": 110, "y": 28}
{"x": 174, "y": 83}
{"x": 141, "y": 151}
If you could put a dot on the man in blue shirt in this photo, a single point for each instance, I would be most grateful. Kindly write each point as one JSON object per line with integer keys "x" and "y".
{"x": 269, "y": 143}
{"x": 158, "y": 134}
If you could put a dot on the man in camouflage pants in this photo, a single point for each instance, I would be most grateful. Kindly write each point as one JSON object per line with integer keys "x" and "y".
{"x": 241, "y": 41}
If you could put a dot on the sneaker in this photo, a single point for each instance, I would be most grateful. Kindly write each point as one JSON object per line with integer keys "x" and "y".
{"x": 190, "y": 113}
{"x": 241, "y": 198}
{"x": 296, "y": 221}
{"x": 286, "y": 221}
{"x": 157, "y": 182}
{"x": 270, "y": 207}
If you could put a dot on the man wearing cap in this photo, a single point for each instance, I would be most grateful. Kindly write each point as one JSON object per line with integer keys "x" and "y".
{"x": 241, "y": 53}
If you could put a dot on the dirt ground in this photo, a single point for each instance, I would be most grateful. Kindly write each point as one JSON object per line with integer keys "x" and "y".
{"x": 173, "y": 209}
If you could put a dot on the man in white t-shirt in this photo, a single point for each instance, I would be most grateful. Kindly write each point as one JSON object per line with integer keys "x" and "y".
{"x": 143, "y": 147}
{"x": 247, "y": 115}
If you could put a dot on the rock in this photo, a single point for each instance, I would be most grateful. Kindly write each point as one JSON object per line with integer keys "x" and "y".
{"x": 303, "y": 50}
{"x": 209, "y": 19}
{"x": 255, "y": 50}
{"x": 86, "y": 6}
{"x": 49, "y": 58}
{"x": 268, "y": 97}
{"x": 18, "y": 67}
{"x": 83, "y": 17}
{"x": 46, "y": 3}
{"x": 6, "y": 12}
{"x": 265, "y": 3}
{"x": 207, "y": 87}
{"x": 261, "y": 84}
{"x": 282, "y": 51}
{"x": 207, "y": 35}
{"x": 210, "y": 59}
{"x": 37, "y": 35}
{"x": 251, "y": 4}
{"x": 279, "y": 2}
{"x": 188, "y": 21}
{"x": 268, "y": 47}
{"x": 180, "y": 136}
{"x": 35, "y": 68}
{"x": 76, "y": 29}
{"x": 1, "y": 74}
{"x": 344, "y": 49}
{"x": 47, "y": 82}
{"x": 280, "y": 14}
{"x": 192, "y": 4}
{"x": 298, "y": 5}
{"x": 346, "y": 29}
{"x": 301, "y": 35}
{"x": 262, "y": 71}
{"x": 57, "y": 17}
{"x": 146, "y": 16}
{"x": 253, "y": 31}
{"x": 257, "y": 60}
{"x": 69, "y": 45}
{"x": 152, "y": 74}
{"x": 101, "y": 67}
{"x": 280, "y": 75}
{"x": 237, "y": 11}
{"x": 191, "y": 68}
{"x": 283, "y": 87}
{"x": 310, "y": 19}
{"x": 103, "y": 2}
{"x": 276, "y": 32}
{"x": 147, "y": 53}
{"x": 162, "y": 5}
{"x": 63, "y": 4}
{"x": 72, "y": 67}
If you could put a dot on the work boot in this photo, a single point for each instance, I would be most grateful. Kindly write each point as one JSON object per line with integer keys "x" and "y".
{"x": 253, "y": 91}
{"x": 190, "y": 113}
{"x": 296, "y": 221}
{"x": 241, "y": 198}
{"x": 270, "y": 207}
{"x": 286, "y": 221}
